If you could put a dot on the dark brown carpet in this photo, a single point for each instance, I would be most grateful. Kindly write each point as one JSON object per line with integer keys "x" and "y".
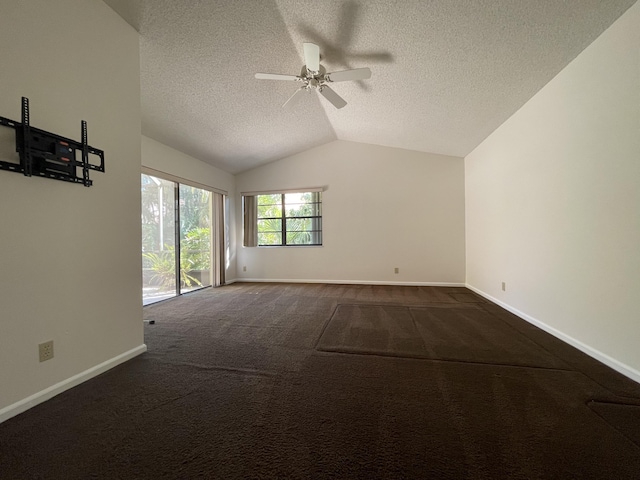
{"x": 336, "y": 381}
{"x": 464, "y": 333}
{"x": 625, "y": 418}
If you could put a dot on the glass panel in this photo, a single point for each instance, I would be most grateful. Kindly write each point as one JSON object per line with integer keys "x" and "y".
{"x": 270, "y": 211}
{"x": 270, "y": 231}
{"x": 270, "y": 206}
{"x": 298, "y": 238}
{"x": 303, "y": 204}
{"x": 304, "y": 231}
{"x": 158, "y": 239}
{"x": 298, "y": 224}
{"x": 269, "y": 199}
{"x": 270, "y": 238}
{"x": 269, "y": 225}
{"x": 195, "y": 238}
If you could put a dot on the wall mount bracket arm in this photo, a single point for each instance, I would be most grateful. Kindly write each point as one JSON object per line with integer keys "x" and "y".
{"x": 49, "y": 155}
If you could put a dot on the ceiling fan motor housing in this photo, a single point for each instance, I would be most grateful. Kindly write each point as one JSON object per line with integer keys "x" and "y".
{"x": 317, "y": 78}
{"x": 311, "y": 78}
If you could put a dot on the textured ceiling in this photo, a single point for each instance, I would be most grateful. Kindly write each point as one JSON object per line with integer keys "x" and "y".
{"x": 445, "y": 73}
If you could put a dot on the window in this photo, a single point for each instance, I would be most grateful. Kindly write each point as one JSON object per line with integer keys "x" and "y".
{"x": 283, "y": 219}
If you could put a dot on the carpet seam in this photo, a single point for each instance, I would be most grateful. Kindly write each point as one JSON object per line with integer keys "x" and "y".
{"x": 257, "y": 373}
{"x": 444, "y": 360}
{"x": 608, "y": 402}
{"x": 611, "y": 425}
{"x": 572, "y": 367}
{"x": 324, "y": 327}
{"x": 415, "y": 326}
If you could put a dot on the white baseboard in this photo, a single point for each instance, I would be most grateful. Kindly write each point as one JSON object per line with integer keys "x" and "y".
{"x": 25, "y": 404}
{"x": 618, "y": 366}
{"x": 347, "y": 282}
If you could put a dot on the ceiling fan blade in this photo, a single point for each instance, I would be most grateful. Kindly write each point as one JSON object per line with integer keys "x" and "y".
{"x": 312, "y": 56}
{"x": 332, "y": 96}
{"x": 276, "y": 76}
{"x": 295, "y": 98}
{"x": 343, "y": 76}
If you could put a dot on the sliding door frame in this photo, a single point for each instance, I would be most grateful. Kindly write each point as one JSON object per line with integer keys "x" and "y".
{"x": 214, "y": 231}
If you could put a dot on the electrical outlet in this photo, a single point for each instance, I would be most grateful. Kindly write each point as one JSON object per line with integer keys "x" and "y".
{"x": 396, "y": 270}
{"x": 46, "y": 350}
{"x": 244, "y": 269}
{"x": 504, "y": 287}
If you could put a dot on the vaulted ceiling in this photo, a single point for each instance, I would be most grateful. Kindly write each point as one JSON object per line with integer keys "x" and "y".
{"x": 445, "y": 73}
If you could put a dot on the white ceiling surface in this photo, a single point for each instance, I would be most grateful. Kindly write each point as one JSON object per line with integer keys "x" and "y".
{"x": 445, "y": 73}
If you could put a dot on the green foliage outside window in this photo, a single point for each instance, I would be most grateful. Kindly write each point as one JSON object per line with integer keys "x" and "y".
{"x": 158, "y": 232}
{"x": 300, "y": 224}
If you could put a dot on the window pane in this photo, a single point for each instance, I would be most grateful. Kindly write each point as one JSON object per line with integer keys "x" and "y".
{"x": 270, "y": 232}
{"x": 271, "y": 199}
{"x": 269, "y": 211}
{"x": 270, "y": 225}
{"x": 195, "y": 238}
{"x": 158, "y": 239}
{"x": 270, "y": 238}
{"x": 299, "y": 238}
{"x": 298, "y": 224}
{"x": 303, "y": 210}
{"x": 270, "y": 206}
{"x": 304, "y": 231}
{"x": 302, "y": 204}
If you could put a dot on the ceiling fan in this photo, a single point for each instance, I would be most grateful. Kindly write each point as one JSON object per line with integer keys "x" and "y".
{"x": 314, "y": 77}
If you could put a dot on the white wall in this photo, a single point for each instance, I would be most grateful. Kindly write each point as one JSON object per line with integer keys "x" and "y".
{"x": 70, "y": 267}
{"x": 164, "y": 159}
{"x": 552, "y": 203}
{"x": 383, "y": 208}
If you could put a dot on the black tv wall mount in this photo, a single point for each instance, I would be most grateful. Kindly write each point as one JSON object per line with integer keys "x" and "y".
{"x": 49, "y": 155}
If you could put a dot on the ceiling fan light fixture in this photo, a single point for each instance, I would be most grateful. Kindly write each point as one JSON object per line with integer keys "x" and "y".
{"x": 314, "y": 75}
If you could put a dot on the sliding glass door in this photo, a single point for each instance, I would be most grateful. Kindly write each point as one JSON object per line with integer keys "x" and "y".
{"x": 158, "y": 239}
{"x": 195, "y": 238}
{"x": 177, "y": 248}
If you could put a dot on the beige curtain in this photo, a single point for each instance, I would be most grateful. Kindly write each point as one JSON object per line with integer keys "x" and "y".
{"x": 250, "y": 221}
{"x": 219, "y": 244}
